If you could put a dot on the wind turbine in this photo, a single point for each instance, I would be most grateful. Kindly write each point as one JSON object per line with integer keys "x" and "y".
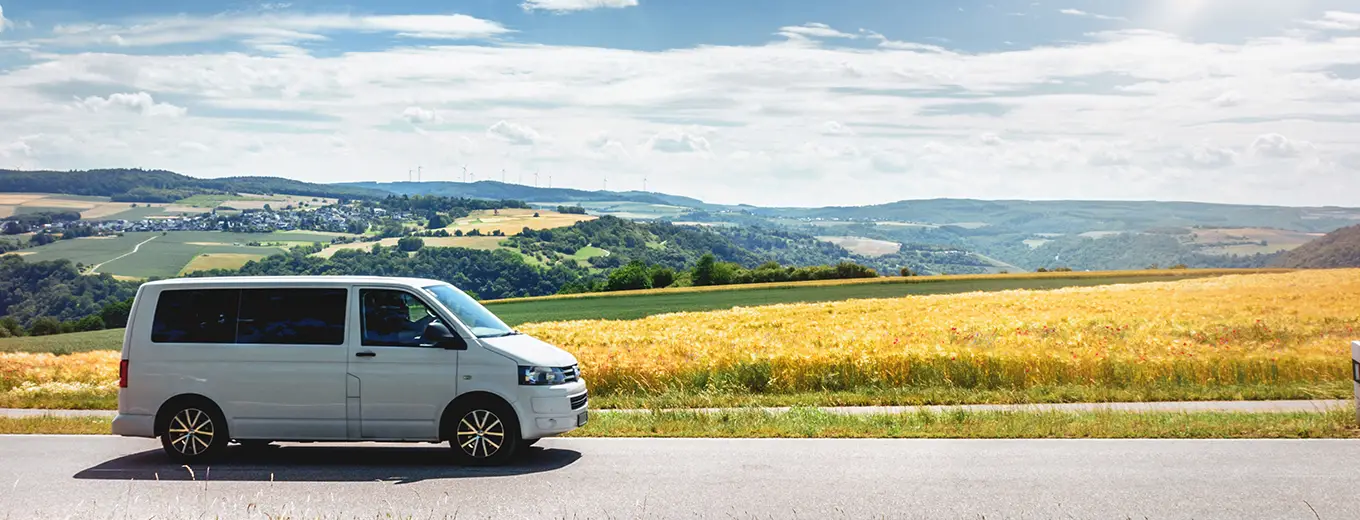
{"x": 606, "y": 182}
{"x": 535, "y": 178}
{"x": 408, "y": 175}
{"x": 502, "y": 175}
{"x": 644, "y": 182}
{"x": 465, "y": 173}
{"x": 419, "y": 173}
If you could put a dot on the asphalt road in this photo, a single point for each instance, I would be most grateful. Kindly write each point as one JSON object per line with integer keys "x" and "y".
{"x": 111, "y": 477}
{"x": 1316, "y": 405}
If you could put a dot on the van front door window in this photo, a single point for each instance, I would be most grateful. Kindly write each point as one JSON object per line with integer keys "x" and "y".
{"x": 393, "y": 318}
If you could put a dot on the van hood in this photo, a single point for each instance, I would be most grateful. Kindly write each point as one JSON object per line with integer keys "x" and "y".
{"x": 527, "y": 350}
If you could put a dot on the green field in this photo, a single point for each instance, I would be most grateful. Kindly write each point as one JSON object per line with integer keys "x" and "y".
{"x": 165, "y": 255}
{"x": 138, "y": 213}
{"x": 628, "y": 307}
{"x": 111, "y": 339}
{"x": 215, "y": 200}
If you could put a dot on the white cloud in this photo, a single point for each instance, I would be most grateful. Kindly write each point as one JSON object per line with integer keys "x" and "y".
{"x": 4, "y": 22}
{"x": 1206, "y": 157}
{"x": 272, "y": 28}
{"x": 678, "y": 141}
{"x": 140, "y": 102}
{"x": 563, "y": 6}
{"x": 193, "y": 146}
{"x": 418, "y": 115}
{"x": 990, "y": 139}
{"x": 1113, "y": 115}
{"x": 1086, "y": 14}
{"x": 814, "y": 30}
{"x": 1336, "y": 21}
{"x": 1278, "y": 146}
{"x": 836, "y": 128}
{"x": 1230, "y": 98}
{"x": 513, "y": 133}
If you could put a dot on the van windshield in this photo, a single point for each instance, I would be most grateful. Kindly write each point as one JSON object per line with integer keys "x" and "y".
{"x": 473, "y": 314}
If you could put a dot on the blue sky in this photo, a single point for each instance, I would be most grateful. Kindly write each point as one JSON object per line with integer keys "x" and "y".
{"x": 756, "y": 101}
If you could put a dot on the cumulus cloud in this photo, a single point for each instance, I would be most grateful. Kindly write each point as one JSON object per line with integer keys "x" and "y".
{"x": 418, "y": 115}
{"x": 4, "y": 22}
{"x": 564, "y": 6}
{"x": 836, "y": 128}
{"x": 1278, "y": 146}
{"x": 1109, "y": 158}
{"x": 990, "y": 139}
{"x": 272, "y": 28}
{"x": 193, "y": 146}
{"x": 675, "y": 141}
{"x": 1230, "y": 98}
{"x": 1086, "y": 14}
{"x": 140, "y": 102}
{"x": 813, "y": 30}
{"x": 1336, "y": 21}
{"x": 513, "y": 133}
{"x": 1206, "y": 157}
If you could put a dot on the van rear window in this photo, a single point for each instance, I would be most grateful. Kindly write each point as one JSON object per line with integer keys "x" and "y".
{"x": 292, "y": 316}
{"x": 196, "y": 316}
{"x": 251, "y": 316}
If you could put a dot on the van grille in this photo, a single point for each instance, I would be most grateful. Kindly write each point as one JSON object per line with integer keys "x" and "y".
{"x": 578, "y": 401}
{"x": 572, "y": 374}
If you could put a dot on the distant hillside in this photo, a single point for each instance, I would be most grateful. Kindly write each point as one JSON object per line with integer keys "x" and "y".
{"x": 501, "y": 190}
{"x": 135, "y": 185}
{"x": 1340, "y": 248}
{"x": 1071, "y": 216}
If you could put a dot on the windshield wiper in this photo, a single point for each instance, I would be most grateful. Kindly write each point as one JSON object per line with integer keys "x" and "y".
{"x": 503, "y": 334}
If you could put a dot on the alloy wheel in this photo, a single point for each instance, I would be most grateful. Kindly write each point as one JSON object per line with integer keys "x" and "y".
{"x": 480, "y": 434}
{"x": 191, "y": 431}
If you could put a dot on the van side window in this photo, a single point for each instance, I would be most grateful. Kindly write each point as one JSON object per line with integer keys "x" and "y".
{"x": 196, "y": 316}
{"x": 393, "y": 318}
{"x": 292, "y": 316}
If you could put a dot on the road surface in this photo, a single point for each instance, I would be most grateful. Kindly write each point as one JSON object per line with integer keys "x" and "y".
{"x": 113, "y": 477}
{"x": 1318, "y": 405}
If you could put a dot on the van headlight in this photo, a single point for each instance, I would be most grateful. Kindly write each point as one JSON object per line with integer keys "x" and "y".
{"x": 541, "y": 376}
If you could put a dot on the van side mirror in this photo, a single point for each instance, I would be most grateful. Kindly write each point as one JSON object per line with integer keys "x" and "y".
{"x": 438, "y": 335}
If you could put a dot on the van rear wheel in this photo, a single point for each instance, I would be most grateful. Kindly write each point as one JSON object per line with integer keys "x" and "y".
{"x": 486, "y": 433}
{"x": 194, "y": 432}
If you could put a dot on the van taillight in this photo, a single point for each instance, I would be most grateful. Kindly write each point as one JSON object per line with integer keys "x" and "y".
{"x": 122, "y": 373}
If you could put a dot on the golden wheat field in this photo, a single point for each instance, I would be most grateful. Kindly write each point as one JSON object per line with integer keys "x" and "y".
{"x": 1258, "y": 329}
{"x": 1230, "y": 330}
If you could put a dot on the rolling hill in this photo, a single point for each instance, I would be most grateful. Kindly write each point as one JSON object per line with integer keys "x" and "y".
{"x": 135, "y": 185}
{"x": 501, "y": 190}
{"x": 1340, "y": 248}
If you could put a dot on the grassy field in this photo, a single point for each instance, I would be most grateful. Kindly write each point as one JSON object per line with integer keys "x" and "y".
{"x": 811, "y": 423}
{"x": 864, "y": 246}
{"x": 1276, "y": 240}
{"x": 111, "y": 339}
{"x": 167, "y": 255}
{"x": 627, "y": 305}
{"x": 483, "y": 243}
{"x": 208, "y": 261}
{"x": 513, "y": 221}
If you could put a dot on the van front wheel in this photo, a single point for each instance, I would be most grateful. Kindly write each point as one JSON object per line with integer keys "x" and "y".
{"x": 193, "y": 433}
{"x": 486, "y": 433}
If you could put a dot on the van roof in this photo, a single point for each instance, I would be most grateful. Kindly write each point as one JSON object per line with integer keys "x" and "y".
{"x": 303, "y": 280}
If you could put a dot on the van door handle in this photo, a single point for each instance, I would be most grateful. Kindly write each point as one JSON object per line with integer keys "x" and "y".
{"x": 366, "y": 353}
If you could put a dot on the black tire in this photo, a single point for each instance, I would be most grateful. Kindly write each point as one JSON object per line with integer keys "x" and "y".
{"x": 193, "y": 431}
{"x": 484, "y": 432}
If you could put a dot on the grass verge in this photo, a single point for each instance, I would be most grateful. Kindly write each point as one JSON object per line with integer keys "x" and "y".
{"x": 98, "y": 399}
{"x": 949, "y": 396}
{"x": 811, "y": 423}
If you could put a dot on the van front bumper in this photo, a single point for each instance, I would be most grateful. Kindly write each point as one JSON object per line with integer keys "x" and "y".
{"x": 129, "y": 425}
{"x": 552, "y": 410}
